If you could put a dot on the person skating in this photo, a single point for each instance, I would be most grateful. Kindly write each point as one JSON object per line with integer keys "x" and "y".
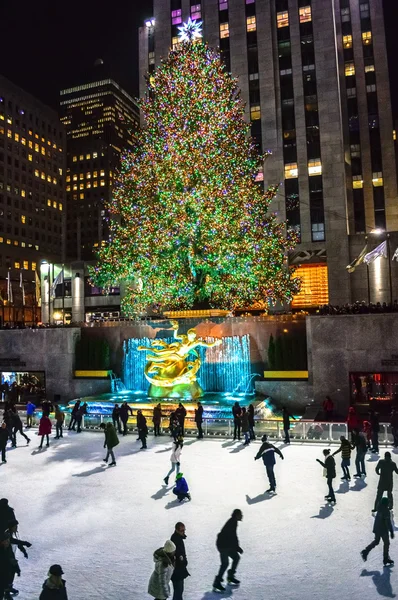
{"x": 17, "y": 427}
{"x": 142, "y": 429}
{"x": 181, "y": 489}
{"x": 111, "y": 440}
{"x": 15, "y": 540}
{"x": 328, "y": 407}
{"x": 375, "y": 425}
{"x": 267, "y": 453}
{"x": 385, "y": 469}
{"x": 330, "y": 473}
{"x": 125, "y": 411}
{"x": 116, "y": 418}
{"x": 394, "y": 426}
{"x": 174, "y": 427}
{"x": 157, "y": 419}
{"x": 59, "y": 422}
{"x": 46, "y": 408}
{"x": 382, "y": 529}
{"x": 245, "y": 426}
{"x": 175, "y": 460}
{"x": 45, "y": 430}
{"x": 75, "y": 410}
{"x": 250, "y": 412}
{"x": 180, "y": 570}
{"x": 181, "y": 413}
{"x": 30, "y": 411}
{"x": 15, "y": 567}
{"x": 353, "y": 424}
{"x": 3, "y": 441}
{"x": 228, "y": 546}
{"x": 237, "y": 413}
{"x": 83, "y": 409}
{"x": 345, "y": 449}
{"x": 7, "y": 514}
{"x": 8, "y": 567}
{"x": 199, "y": 419}
{"x": 159, "y": 582}
{"x": 362, "y": 447}
{"x": 54, "y": 587}
{"x": 286, "y": 423}
{"x": 367, "y": 430}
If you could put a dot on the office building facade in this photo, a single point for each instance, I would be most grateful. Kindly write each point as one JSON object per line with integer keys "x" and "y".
{"x": 314, "y": 76}
{"x": 100, "y": 119}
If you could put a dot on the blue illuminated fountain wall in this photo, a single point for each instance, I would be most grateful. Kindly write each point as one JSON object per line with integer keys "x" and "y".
{"x": 225, "y": 368}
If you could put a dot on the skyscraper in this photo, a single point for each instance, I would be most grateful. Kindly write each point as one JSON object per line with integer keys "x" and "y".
{"x": 100, "y": 118}
{"x": 314, "y": 76}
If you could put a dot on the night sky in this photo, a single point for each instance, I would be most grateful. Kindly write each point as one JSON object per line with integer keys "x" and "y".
{"x": 50, "y": 45}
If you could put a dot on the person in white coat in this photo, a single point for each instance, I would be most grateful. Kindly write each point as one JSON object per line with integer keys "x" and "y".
{"x": 159, "y": 583}
{"x": 175, "y": 460}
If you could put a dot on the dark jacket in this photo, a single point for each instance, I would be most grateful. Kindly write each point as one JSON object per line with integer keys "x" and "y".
{"x": 46, "y": 408}
{"x": 227, "y": 539}
{"x": 82, "y": 411}
{"x": 75, "y": 409}
{"x": 141, "y": 424}
{"x": 236, "y": 411}
{"x": 199, "y": 414}
{"x": 361, "y": 443}
{"x": 50, "y": 592}
{"x": 180, "y": 569}
{"x": 374, "y": 421}
{"x": 4, "y": 434}
{"x": 124, "y": 412}
{"x": 286, "y": 418}
{"x": 245, "y": 422}
{"x": 385, "y": 468}
{"x": 181, "y": 413}
{"x": 111, "y": 439}
{"x": 7, "y": 566}
{"x": 250, "y": 412}
{"x": 116, "y": 413}
{"x": 330, "y": 466}
{"x": 382, "y": 524}
{"x": 16, "y": 421}
{"x": 267, "y": 453}
{"x": 157, "y": 415}
{"x": 7, "y": 515}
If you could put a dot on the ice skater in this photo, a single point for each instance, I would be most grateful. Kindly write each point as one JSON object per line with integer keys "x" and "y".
{"x": 9, "y": 567}
{"x": 250, "y": 412}
{"x": 181, "y": 489}
{"x": 157, "y": 419}
{"x": 180, "y": 570}
{"x": 3, "y": 441}
{"x": 116, "y": 418}
{"x": 45, "y": 430}
{"x": 286, "y": 423}
{"x": 83, "y": 409}
{"x": 237, "y": 412}
{"x": 59, "y": 422}
{"x": 75, "y": 410}
{"x": 30, "y": 411}
{"x": 375, "y": 425}
{"x": 181, "y": 413}
{"x": 125, "y": 411}
{"x": 385, "y": 469}
{"x": 267, "y": 453}
{"x": 142, "y": 429}
{"x": 159, "y": 583}
{"x": 329, "y": 467}
{"x": 15, "y": 540}
{"x": 382, "y": 529}
{"x": 362, "y": 447}
{"x": 245, "y": 426}
{"x": 228, "y": 547}
{"x": 17, "y": 427}
{"x": 175, "y": 460}
{"x": 54, "y": 587}
{"x": 199, "y": 419}
{"x": 345, "y": 449}
{"x": 111, "y": 440}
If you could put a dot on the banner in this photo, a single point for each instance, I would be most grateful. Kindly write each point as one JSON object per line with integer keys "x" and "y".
{"x": 57, "y": 281}
{"x": 380, "y": 250}
{"x": 395, "y": 255}
{"x": 38, "y": 289}
{"x": 21, "y": 285}
{"x": 9, "y": 288}
{"x": 358, "y": 260}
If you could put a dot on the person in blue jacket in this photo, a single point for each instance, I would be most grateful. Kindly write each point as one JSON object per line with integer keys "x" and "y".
{"x": 267, "y": 453}
{"x": 181, "y": 489}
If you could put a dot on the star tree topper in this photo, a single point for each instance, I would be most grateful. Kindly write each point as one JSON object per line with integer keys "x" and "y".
{"x": 190, "y": 31}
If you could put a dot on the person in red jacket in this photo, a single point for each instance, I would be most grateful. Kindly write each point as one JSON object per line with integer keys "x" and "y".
{"x": 352, "y": 423}
{"x": 44, "y": 430}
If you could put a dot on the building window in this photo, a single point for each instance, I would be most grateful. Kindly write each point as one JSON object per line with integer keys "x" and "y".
{"x": 371, "y": 88}
{"x": 345, "y": 15}
{"x": 17, "y": 265}
{"x": 25, "y": 265}
{"x": 377, "y": 179}
{"x": 175, "y": 43}
{"x": 74, "y": 159}
{"x": 318, "y": 232}
{"x": 33, "y": 266}
{"x": 282, "y": 19}
{"x": 102, "y": 184}
{"x": 224, "y": 30}
{"x": 23, "y": 219}
{"x": 251, "y": 24}
{"x": 176, "y": 17}
{"x": 151, "y": 58}
{"x": 291, "y": 171}
{"x": 255, "y": 113}
{"x": 355, "y": 150}
{"x": 60, "y": 206}
{"x": 357, "y": 182}
{"x": 366, "y": 37}
{"x": 81, "y": 196}
{"x": 347, "y": 41}
{"x": 88, "y": 156}
{"x": 305, "y": 14}
{"x": 364, "y": 11}
{"x": 349, "y": 69}
{"x": 315, "y": 167}
{"x": 196, "y": 12}
{"x": 81, "y": 157}
{"x": 222, "y": 4}
{"x": 285, "y": 72}
{"x": 369, "y": 68}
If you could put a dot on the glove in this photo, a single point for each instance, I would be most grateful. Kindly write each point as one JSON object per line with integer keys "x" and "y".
{"x": 28, "y": 544}
{"x": 282, "y": 457}
{"x": 240, "y": 550}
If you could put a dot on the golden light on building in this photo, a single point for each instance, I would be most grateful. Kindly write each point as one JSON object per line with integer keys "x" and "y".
{"x": 314, "y": 286}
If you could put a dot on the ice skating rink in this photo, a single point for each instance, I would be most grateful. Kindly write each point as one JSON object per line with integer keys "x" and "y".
{"x": 103, "y": 524}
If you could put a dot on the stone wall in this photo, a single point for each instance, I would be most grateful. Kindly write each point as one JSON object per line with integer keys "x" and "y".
{"x": 295, "y": 395}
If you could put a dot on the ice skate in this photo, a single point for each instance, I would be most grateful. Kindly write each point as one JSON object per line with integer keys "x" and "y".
{"x": 271, "y": 490}
{"x": 105, "y": 460}
{"x": 218, "y": 586}
{"x": 364, "y": 555}
{"x": 166, "y": 480}
{"x": 232, "y": 580}
{"x": 112, "y": 464}
{"x": 388, "y": 562}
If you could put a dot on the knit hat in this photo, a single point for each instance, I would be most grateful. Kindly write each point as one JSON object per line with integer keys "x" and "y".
{"x": 169, "y": 547}
{"x": 179, "y": 475}
{"x": 56, "y": 570}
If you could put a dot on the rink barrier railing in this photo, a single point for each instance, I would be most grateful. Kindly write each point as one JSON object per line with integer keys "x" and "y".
{"x": 300, "y": 431}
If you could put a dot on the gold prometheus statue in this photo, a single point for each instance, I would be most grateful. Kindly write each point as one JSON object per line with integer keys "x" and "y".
{"x": 167, "y": 364}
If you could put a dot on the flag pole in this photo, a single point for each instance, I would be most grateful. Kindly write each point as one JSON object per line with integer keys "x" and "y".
{"x": 389, "y": 265}
{"x": 367, "y": 274}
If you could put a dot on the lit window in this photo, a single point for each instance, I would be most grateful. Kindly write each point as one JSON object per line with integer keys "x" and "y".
{"x": 88, "y": 156}
{"x": 81, "y": 157}
{"x": 49, "y": 178}
{"x": 30, "y": 144}
{"x": 60, "y": 206}
{"x": 253, "y": 76}
{"x": 223, "y": 4}
{"x": 9, "y": 133}
{"x": 2, "y": 130}
{"x": 282, "y": 19}
{"x": 54, "y": 204}
{"x": 357, "y": 182}
{"x": 88, "y": 175}
{"x": 102, "y": 173}
{"x": 285, "y": 72}
{"x": 394, "y": 135}
{"x": 81, "y": 176}
{"x": 366, "y": 37}
{"x": 16, "y": 137}
{"x": 95, "y": 173}
{"x": 74, "y": 187}
{"x": 37, "y": 148}
{"x": 2, "y": 117}
{"x": 17, "y": 265}
{"x": 68, "y": 188}
{"x": 347, "y": 41}
{"x": 224, "y": 30}
{"x": 176, "y": 17}
{"x": 67, "y": 178}
{"x": 95, "y": 154}
{"x": 369, "y": 68}
{"x": 95, "y": 184}
{"x": 81, "y": 196}
{"x": 23, "y": 219}
{"x": 175, "y": 43}
{"x": 291, "y": 171}
{"x": 22, "y": 244}
{"x": 318, "y": 232}
{"x": 23, "y": 141}
{"x": 251, "y": 24}
{"x": 48, "y": 202}
{"x": 88, "y": 185}
{"x": 75, "y": 177}
{"x": 377, "y": 179}
{"x": 74, "y": 159}
{"x": 43, "y": 175}
{"x": 37, "y": 173}
{"x": 81, "y": 186}
{"x": 25, "y": 265}
{"x": 305, "y": 14}
{"x": 371, "y": 88}
{"x": 349, "y": 69}
{"x": 255, "y": 113}
{"x": 315, "y": 167}
{"x": 43, "y": 150}
{"x": 196, "y": 12}
{"x": 8, "y": 242}
{"x": 33, "y": 266}
{"x": 9, "y": 120}
{"x": 102, "y": 183}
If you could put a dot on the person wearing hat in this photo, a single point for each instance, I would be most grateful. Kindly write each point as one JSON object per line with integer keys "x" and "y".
{"x": 228, "y": 546}
{"x": 329, "y": 467}
{"x": 14, "y": 539}
{"x": 382, "y": 529}
{"x": 54, "y": 587}
{"x": 159, "y": 582}
{"x": 180, "y": 571}
{"x": 181, "y": 489}
{"x": 44, "y": 430}
{"x": 175, "y": 460}
{"x": 111, "y": 440}
{"x": 267, "y": 453}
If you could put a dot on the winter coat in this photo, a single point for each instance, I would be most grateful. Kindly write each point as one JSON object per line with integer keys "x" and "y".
{"x": 385, "y": 468}
{"x": 159, "y": 583}
{"x": 59, "y": 416}
{"x": 175, "y": 454}
{"x": 345, "y": 449}
{"x": 361, "y": 443}
{"x": 45, "y": 426}
{"x": 181, "y": 486}
{"x": 51, "y": 592}
{"x": 367, "y": 429}
{"x": 111, "y": 439}
{"x": 267, "y": 453}
{"x": 382, "y": 524}
{"x": 81, "y": 412}
{"x": 181, "y": 413}
{"x": 46, "y": 408}
{"x": 116, "y": 413}
{"x": 4, "y": 435}
{"x": 16, "y": 421}
{"x": 7, "y": 566}
{"x": 141, "y": 424}
{"x": 199, "y": 414}
{"x": 157, "y": 415}
{"x": 75, "y": 409}
{"x": 227, "y": 539}
{"x": 7, "y": 515}
{"x": 330, "y": 466}
{"x": 250, "y": 412}
{"x": 245, "y": 422}
{"x": 286, "y": 419}
{"x": 30, "y": 408}
{"x": 180, "y": 569}
{"x": 352, "y": 420}
{"x": 124, "y": 412}
{"x": 236, "y": 411}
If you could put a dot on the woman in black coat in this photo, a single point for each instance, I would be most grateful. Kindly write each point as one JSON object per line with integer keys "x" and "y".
{"x": 54, "y": 587}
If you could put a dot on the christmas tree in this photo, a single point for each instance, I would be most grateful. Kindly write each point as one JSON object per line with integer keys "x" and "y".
{"x": 191, "y": 227}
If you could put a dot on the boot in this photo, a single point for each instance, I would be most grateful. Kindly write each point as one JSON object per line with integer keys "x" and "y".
{"x": 232, "y": 579}
{"x": 364, "y": 555}
{"x": 388, "y": 562}
{"x": 218, "y": 586}
{"x": 166, "y": 480}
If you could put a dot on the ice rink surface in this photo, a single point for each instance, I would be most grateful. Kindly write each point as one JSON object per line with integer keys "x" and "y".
{"x": 103, "y": 524}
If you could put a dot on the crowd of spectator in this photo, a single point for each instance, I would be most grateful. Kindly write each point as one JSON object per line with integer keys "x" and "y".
{"x": 359, "y": 308}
